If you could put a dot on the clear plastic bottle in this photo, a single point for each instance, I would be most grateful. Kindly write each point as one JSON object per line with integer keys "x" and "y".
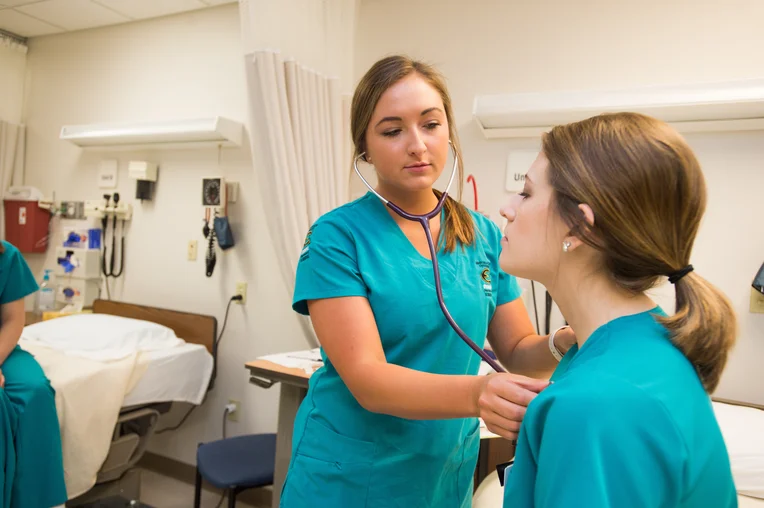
{"x": 46, "y": 299}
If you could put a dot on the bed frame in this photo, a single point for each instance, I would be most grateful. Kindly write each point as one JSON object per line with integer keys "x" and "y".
{"x": 738, "y": 403}
{"x": 118, "y": 476}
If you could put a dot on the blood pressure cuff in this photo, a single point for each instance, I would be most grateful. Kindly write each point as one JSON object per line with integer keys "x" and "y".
{"x": 223, "y": 233}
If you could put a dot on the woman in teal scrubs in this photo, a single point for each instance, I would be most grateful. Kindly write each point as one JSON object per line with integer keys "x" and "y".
{"x": 612, "y": 205}
{"x": 30, "y": 439}
{"x": 390, "y": 419}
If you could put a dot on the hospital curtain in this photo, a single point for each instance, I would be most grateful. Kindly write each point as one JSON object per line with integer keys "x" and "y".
{"x": 12, "y": 139}
{"x": 297, "y": 131}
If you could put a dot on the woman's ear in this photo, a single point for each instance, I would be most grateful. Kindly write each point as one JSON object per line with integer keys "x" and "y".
{"x": 572, "y": 242}
{"x": 588, "y": 214}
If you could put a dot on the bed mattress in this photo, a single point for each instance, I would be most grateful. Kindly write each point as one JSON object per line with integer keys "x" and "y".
{"x": 179, "y": 374}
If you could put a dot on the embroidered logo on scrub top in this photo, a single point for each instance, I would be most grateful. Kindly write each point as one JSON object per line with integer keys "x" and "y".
{"x": 485, "y": 277}
{"x": 306, "y": 246}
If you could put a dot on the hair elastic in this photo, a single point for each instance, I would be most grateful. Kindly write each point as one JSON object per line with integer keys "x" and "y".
{"x": 677, "y": 276}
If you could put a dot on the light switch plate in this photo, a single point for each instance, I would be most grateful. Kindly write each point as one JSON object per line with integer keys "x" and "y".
{"x": 757, "y": 302}
{"x": 232, "y": 191}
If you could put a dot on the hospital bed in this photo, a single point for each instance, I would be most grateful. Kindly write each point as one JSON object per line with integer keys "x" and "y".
{"x": 742, "y": 426}
{"x": 183, "y": 373}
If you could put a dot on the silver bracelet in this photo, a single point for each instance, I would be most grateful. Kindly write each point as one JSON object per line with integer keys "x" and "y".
{"x": 556, "y": 352}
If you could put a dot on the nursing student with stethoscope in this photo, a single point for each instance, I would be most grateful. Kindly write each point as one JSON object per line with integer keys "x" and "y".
{"x": 389, "y": 420}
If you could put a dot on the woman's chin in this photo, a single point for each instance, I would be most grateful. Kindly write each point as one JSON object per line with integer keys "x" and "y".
{"x": 510, "y": 265}
{"x": 419, "y": 184}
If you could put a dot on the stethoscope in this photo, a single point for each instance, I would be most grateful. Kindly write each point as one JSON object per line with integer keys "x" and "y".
{"x": 424, "y": 220}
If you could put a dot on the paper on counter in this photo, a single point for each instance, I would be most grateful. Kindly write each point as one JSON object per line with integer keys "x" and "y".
{"x": 308, "y": 361}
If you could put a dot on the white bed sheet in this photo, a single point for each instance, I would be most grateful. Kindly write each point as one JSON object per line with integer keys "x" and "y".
{"x": 749, "y": 502}
{"x": 178, "y": 374}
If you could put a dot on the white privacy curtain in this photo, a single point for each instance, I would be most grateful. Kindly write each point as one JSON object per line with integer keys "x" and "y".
{"x": 11, "y": 160}
{"x": 296, "y": 134}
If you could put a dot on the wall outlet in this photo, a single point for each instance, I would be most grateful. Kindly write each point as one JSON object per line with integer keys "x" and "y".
{"x": 241, "y": 289}
{"x": 192, "y": 250}
{"x": 757, "y": 302}
{"x": 233, "y": 415}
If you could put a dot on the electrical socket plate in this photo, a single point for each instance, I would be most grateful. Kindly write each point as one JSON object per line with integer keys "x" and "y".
{"x": 234, "y": 416}
{"x": 757, "y": 302}
{"x": 241, "y": 289}
{"x": 192, "y": 250}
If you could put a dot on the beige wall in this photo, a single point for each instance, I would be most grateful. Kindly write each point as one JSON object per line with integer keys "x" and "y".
{"x": 190, "y": 65}
{"x": 316, "y": 33}
{"x": 488, "y": 47}
{"x": 12, "y": 67}
{"x": 182, "y": 66}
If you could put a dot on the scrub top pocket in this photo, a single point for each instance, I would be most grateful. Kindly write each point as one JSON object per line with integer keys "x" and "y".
{"x": 466, "y": 475}
{"x": 333, "y": 470}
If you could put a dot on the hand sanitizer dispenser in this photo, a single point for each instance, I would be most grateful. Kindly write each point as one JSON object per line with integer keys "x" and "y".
{"x": 46, "y": 299}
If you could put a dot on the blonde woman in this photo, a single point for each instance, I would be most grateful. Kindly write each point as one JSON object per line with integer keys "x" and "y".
{"x": 390, "y": 420}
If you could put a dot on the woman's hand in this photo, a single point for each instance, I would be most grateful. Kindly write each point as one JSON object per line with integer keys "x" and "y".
{"x": 2, "y": 380}
{"x": 502, "y": 399}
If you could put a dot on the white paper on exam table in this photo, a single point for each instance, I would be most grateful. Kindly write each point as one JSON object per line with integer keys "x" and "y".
{"x": 308, "y": 361}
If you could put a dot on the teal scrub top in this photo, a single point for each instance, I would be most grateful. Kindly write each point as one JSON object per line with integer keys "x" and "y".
{"x": 626, "y": 423}
{"x": 344, "y": 455}
{"x": 16, "y": 279}
{"x": 31, "y": 463}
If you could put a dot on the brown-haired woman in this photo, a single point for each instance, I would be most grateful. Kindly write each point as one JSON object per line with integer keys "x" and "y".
{"x": 30, "y": 437}
{"x": 612, "y": 205}
{"x": 390, "y": 418}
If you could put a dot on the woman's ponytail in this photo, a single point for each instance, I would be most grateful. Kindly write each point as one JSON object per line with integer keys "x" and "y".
{"x": 459, "y": 227}
{"x": 703, "y": 327}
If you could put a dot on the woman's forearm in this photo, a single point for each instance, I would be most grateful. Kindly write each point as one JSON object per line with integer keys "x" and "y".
{"x": 406, "y": 393}
{"x": 531, "y": 357}
{"x": 10, "y": 331}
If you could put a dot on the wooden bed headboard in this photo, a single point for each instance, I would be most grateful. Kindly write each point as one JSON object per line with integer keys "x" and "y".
{"x": 193, "y": 328}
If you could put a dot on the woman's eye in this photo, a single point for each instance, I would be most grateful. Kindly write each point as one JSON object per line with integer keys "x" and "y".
{"x": 432, "y": 125}
{"x": 391, "y": 133}
{"x": 524, "y": 195}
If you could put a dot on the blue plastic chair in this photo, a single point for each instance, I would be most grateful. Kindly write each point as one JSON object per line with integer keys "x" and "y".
{"x": 235, "y": 464}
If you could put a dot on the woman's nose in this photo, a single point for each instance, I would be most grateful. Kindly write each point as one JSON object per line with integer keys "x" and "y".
{"x": 508, "y": 212}
{"x": 416, "y": 145}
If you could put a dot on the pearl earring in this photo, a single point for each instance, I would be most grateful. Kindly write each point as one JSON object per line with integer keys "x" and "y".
{"x": 565, "y": 246}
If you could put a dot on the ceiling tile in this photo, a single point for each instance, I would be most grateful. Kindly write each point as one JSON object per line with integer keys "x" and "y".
{"x": 73, "y": 14}
{"x": 15, "y": 3}
{"x": 151, "y": 8}
{"x": 25, "y": 26}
